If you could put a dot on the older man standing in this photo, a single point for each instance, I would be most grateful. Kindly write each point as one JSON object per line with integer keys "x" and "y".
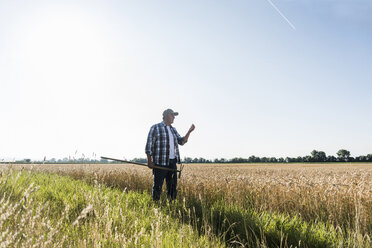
{"x": 162, "y": 150}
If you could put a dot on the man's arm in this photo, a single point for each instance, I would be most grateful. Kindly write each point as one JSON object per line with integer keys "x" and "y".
{"x": 185, "y": 139}
{"x": 149, "y": 146}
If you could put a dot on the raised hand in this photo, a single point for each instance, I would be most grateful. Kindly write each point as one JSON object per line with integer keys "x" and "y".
{"x": 192, "y": 128}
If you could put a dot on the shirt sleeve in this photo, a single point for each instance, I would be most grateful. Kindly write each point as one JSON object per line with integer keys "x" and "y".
{"x": 150, "y": 141}
{"x": 180, "y": 140}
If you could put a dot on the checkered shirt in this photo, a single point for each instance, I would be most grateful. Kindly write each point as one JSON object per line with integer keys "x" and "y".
{"x": 158, "y": 143}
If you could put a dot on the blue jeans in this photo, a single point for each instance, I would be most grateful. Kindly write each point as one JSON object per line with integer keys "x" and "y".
{"x": 170, "y": 178}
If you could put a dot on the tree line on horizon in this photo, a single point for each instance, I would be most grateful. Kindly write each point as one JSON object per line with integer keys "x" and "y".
{"x": 314, "y": 157}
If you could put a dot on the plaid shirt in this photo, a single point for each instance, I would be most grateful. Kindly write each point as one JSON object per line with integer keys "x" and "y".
{"x": 158, "y": 143}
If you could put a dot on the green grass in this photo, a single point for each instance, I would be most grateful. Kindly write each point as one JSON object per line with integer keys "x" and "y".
{"x": 65, "y": 212}
{"x": 53, "y": 210}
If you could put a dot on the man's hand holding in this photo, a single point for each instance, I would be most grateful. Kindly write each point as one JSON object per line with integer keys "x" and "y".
{"x": 188, "y": 133}
{"x": 192, "y": 128}
{"x": 150, "y": 164}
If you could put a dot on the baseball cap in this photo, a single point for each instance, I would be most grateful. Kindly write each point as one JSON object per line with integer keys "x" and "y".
{"x": 169, "y": 111}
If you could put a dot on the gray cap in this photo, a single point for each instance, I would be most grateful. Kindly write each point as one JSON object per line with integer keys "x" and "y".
{"x": 169, "y": 111}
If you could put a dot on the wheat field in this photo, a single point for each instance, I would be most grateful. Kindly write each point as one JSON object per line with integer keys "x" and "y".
{"x": 339, "y": 195}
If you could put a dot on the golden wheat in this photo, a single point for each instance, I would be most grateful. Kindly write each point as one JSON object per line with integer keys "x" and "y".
{"x": 340, "y": 194}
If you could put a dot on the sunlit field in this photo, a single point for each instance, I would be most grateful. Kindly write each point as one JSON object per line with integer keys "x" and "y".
{"x": 252, "y": 205}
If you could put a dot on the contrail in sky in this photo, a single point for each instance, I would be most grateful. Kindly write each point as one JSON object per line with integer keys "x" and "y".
{"x": 285, "y": 18}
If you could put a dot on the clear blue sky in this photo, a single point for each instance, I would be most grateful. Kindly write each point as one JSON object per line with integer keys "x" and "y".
{"x": 93, "y": 76}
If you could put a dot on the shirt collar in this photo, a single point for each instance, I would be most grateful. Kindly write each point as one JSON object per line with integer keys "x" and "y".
{"x": 164, "y": 125}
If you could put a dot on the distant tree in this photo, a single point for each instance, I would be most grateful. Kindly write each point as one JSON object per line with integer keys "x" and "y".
{"x": 331, "y": 159}
{"x": 237, "y": 160}
{"x": 281, "y": 160}
{"x": 322, "y": 156}
{"x": 361, "y": 159}
{"x": 307, "y": 159}
{"x": 187, "y": 160}
{"x": 318, "y": 156}
{"x": 273, "y": 160}
{"x": 343, "y": 155}
{"x": 290, "y": 160}
{"x": 265, "y": 160}
{"x": 27, "y": 160}
{"x": 314, "y": 153}
{"x": 369, "y": 157}
{"x": 202, "y": 160}
{"x": 253, "y": 159}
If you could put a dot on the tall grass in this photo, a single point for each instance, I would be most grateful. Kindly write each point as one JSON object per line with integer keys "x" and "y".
{"x": 263, "y": 207}
{"x": 264, "y": 212}
{"x": 342, "y": 198}
{"x": 43, "y": 210}
{"x": 339, "y": 196}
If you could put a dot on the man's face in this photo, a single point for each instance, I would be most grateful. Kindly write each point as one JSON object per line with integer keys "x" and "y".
{"x": 169, "y": 118}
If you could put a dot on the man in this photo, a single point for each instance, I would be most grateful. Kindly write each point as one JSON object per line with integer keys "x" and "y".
{"x": 162, "y": 150}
